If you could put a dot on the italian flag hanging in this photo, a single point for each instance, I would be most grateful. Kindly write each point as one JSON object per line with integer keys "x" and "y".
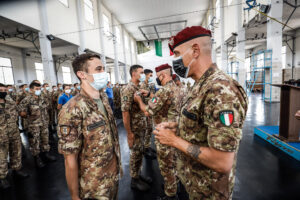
{"x": 226, "y": 117}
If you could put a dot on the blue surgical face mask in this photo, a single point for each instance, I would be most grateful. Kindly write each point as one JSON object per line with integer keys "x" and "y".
{"x": 78, "y": 87}
{"x": 150, "y": 80}
{"x": 37, "y": 92}
{"x": 100, "y": 80}
{"x": 61, "y": 88}
{"x": 10, "y": 90}
{"x": 27, "y": 89}
{"x": 48, "y": 88}
{"x": 55, "y": 89}
{"x": 142, "y": 78}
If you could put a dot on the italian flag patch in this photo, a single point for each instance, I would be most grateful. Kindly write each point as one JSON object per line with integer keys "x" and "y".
{"x": 226, "y": 117}
{"x": 154, "y": 100}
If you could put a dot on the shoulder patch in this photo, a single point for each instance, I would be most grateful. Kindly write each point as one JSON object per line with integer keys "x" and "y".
{"x": 65, "y": 130}
{"x": 226, "y": 117}
{"x": 154, "y": 100}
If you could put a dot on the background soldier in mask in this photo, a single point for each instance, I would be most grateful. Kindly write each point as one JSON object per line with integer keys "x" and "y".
{"x": 65, "y": 96}
{"x": 10, "y": 139}
{"x": 148, "y": 86}
{"x": 88, "y": 136}
{"x": 211, "y": 119}
{"x": 135, "y": 125}
{"x": 31, "y": 107}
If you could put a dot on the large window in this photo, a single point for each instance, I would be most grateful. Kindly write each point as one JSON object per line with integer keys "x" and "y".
{"x": 67, "y": 75}
{"x": 39, "y": 69}
{"x": 65, "y": 2}
{"x": 88, "y": 11}
{"x": 6, "y": 73}
{"x": 229, "y": 2}
{"x": 105, "y": 24}
{"x": 248, "y": 68}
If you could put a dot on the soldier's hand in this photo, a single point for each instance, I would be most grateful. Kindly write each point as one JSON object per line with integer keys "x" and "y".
{"x": 169, "y": 125}
{"x": 144, "y": 92}
{"x": 137, "y": 97}
{"x": 165, "y": 135}
{"x": 130, "y": 138}
{"x": 297, "y": 115}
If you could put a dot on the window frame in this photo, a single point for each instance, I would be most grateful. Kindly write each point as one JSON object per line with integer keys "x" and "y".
{"x": 90, "y": 7}
{"x": 7, "y": 67}
{"x": 66, "y": 73}
{"x": 64, "y": 2}
{"x": 41, "y": 70}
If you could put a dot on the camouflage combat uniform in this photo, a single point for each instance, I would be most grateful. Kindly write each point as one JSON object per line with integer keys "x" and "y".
{"x": 164, "y": 108}
{"x": 149, "y": 120}
{"x": 213, "y": 97}
{"x": 138, "y": 126}
{"x": 46, "y": 95}
{"x": 10, "y": 139}
{"x": 38, "y": 135}
{"x": 20, "y": 96}
{"x": 117, "y": 97}
{"x": 55, "y": 95}
{"x": 90, "y": 130}
{"x": 74, "y": 92}
{"x": 12, "y": 95}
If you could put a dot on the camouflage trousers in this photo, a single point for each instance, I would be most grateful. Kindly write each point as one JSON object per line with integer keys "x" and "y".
{"x": 11, "y": 146}
{"x": 148, "y": 134}
{"x": 38, "y": 136}
{"x": 167, "y": 165}
{"x": 24, "y": 123}
{"x": 136, "y": 155}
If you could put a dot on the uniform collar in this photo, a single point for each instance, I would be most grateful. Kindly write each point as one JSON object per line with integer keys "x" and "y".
{"x": 211, "y": 70}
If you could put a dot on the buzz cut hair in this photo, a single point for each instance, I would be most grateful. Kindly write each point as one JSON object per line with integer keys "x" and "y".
{"x": 133, "y": 68}
{"x": 2, "y": 85}
{"x": 80, "y": 62}
{"x": 34, "y": 84}
{"x": 148, "y": 71}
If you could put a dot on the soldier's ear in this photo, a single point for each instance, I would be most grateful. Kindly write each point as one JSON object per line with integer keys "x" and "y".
{"x": 81, "y": 75}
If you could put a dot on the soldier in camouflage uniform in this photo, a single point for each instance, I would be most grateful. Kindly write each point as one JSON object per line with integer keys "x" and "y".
{"x": 163, "y": 106}
{"x": 148, "y": 86}
{"x": 135, "y": 125}
{"x": 12, "y": 92}
{"x": 211, "y": 119}
{"x": 88, "y": 136}
{"x": 24, "y": 91}
{"x": 32, "y": 107}
{"x": 10, "y": 140}
{"x": 117, "y": 100}
{"x": 75, "y": 90}
{"x": 182, "y": 89}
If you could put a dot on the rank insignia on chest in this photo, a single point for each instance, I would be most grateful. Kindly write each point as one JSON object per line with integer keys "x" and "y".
{"x": 65, "y": 130}
{"x": 226, "y": 117}
{"x": 154, "y": 100}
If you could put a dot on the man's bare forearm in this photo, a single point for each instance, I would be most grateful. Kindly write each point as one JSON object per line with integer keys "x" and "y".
{"x": 71, "y": 169}
{"x": 126, "y": 121}
{"x": 143, "y": 108}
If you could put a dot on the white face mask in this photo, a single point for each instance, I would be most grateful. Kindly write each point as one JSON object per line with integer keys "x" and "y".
{"x": 100, "y": 80}
{"x": 47, "y": 88}
{"x": 142, "y": 77}
{"x": 37, "y": 92}
{"x": 68, "y": 91}
{"x": 55, "y": 89}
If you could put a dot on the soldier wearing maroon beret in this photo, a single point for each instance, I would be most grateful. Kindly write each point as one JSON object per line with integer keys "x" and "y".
{"x": 163, "y": 107}
{"x": 209, "y": 130}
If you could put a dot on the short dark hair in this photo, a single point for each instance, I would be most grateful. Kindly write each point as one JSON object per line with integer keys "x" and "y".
{"x": 8, "y": 85}
{"x": 58, "y": 83}
{"x": 45, "y": 84}
{"x": 34, "y": 84}
{"x": 2, "y": 85}
{"x": 148, "y": 71}
{"x": 75, "y": 84}
{"x": 133, "y": 68}
{"x": 65, "y": 85}
{"x": 80, "y": 62}
{"x": 53, "y": 86}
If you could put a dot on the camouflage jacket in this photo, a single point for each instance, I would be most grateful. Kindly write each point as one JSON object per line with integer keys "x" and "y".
{"x": 85, "y": 130}
{"x": 149, "y": 87}
{"x": 164, "y": 105}
{"x": 13, "y": 95}
{"x": 11, "y": 110}
{"x": 21, "y": 95}
{"x": 117, "y": 97}
{"x": 3, "y": 125}
{"x": 137, "y": 117}
{"x": 34, "y": 109}
{"x": 75, "y": 92}
{"x": 213, "y": 98}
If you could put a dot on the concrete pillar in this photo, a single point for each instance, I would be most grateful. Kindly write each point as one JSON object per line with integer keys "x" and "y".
{"x": 45, "y": 46}
{"x": 124, "y": 54}
{"x": 130, "y": 50}
{"x": 274, "y": 43}
{"x": 240, "y": 44}
{"x": 116, "y": 60}
{"x": 80, "y": 18}
{"x": 101, "y": 32}
{"x": 25, "y": 67}
{"x": 223, "y": 45}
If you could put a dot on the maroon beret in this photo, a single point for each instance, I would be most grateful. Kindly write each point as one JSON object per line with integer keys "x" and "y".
{"x": 175, "y": 77}
{"x": 162, "y": 67}
{"x": 187, "y": 34}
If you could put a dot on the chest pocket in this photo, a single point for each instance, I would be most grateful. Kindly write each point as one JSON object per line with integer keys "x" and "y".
{"x": 35, "y": 110}
{"x": 190, "y": 119}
